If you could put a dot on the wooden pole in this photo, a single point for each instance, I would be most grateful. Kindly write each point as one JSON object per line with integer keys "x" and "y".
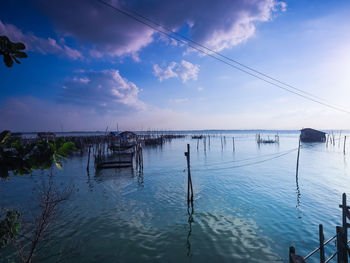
{"x": 345, "y": 211}
{"x": 321, "y": 237}
{"x": 342, "y": 256}
{"x": 297, "y": 169}
{"x": 233, "y": 143}
{"x": 88, "y": 164}
{"x": 189, "y": 180}
{"x": 344, "y": 144}
{"x": 291, "y": 254}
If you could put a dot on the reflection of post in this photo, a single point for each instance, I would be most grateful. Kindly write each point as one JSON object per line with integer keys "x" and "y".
{"x": 298, "y": 190}
{"x": 298, "y": 158}
{"x": 190, "y": 212}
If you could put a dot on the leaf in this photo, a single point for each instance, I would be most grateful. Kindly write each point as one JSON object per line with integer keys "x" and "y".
{"x": 20, "y": 54}
{"x": 4, "y": 136}
{"x": 15, "y": 59}
{"x": 8, "y": 60}
{"x": 19, "y": 46}
{"x": 59, "y": 165}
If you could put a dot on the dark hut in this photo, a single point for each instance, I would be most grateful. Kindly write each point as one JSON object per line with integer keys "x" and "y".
{"x": 311, "y": 135}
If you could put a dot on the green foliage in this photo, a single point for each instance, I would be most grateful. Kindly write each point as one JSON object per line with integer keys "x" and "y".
{"x": 11, "y": 51}
{"x": 10, "y": 226}
{"x": 23, "y": 158}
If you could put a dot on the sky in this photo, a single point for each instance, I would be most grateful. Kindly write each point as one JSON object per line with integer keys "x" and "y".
{"x": 90, "y": 66}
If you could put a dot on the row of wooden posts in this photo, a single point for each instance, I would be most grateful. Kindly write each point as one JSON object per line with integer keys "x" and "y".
{"x": 330, "y": 140}
{"x": 222, "y": 138}
{"x": 342, "y": 252}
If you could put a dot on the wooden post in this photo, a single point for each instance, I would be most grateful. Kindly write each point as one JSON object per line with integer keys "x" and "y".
{"x": 327, "y": 140}
{"x": 291, "y": 253}
{"x": 297, "y": 169}
{"x": 221, "y": 143}
{"x": 321, "y": 237}
{"x": 345, "y": 228}
{"x": 342, "y": 256}
{"x": 209, "y": 142}
{"x": 197, "y": 143}
{"x": 88, "y": 164}
{"x": 344, "y": 144}
{"x": 233, "y": 143}
{"x": 189, "y": 180}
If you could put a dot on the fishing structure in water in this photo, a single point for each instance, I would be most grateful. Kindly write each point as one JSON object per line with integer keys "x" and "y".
{"x": 260, "y": 140}
{"x": 341, "y": 239}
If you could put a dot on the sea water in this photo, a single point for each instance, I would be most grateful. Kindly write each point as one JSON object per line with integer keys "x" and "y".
{"x": 248, "y": 206}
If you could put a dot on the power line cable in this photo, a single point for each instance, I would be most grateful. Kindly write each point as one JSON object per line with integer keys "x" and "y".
{"x": 243, "y": 165}
{"x": 247, "y": 159}
{"x": 225, "y": 62}
{"x": 220, "y": 54}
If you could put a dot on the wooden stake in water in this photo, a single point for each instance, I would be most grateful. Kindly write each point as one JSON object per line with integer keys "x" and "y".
{"x": 233, "y": 143}
{"x": 344, "y": 144}
{"x": 88, "y": 164}
{"x": 189, "y": 179}
{"x": 321, "y": 239}
{"x": 297, "y": 169}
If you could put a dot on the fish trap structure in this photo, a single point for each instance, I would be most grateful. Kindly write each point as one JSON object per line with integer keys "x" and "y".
{"x": 341, "y": 238}
{"x": 121, "y": 153}
{"x": 260, "y": 139}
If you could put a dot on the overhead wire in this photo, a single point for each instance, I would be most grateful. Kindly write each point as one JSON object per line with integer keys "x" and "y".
{"x": 243, "y": 165}
{"x": 209, "y": 53}
{"x": 247, "y": 159}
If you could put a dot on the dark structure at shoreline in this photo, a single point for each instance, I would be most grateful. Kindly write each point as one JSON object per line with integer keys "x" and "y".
{"x": 311, "y": 135}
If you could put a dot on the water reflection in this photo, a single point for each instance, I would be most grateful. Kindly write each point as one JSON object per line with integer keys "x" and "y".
{"x": 298, "y": 190}
{"x": 190, "y": 212}
{"x": 115, "y": 173}
{"x": 89, "y": 181}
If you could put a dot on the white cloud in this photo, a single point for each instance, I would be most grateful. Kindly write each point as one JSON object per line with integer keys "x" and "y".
{"x": 102, "y": 91}
{"x": 217, "y": 25}
{"x": 185, "y": 71}
{"x": 34, "y": 43}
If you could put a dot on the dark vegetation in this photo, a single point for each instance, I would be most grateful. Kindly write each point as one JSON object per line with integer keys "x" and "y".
{"x": 18, "y": 157}
{"x": 11, "y": 51}
{"x": 23, "y": 158}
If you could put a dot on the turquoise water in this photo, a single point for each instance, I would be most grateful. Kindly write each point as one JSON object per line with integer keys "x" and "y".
{"x": 248, "y": 205}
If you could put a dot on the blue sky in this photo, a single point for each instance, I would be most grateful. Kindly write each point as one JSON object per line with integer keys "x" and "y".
{"x": 90, "y": 67}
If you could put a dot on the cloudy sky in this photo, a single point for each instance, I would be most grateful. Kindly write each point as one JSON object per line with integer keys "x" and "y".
{"x": 90, "y": 66}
